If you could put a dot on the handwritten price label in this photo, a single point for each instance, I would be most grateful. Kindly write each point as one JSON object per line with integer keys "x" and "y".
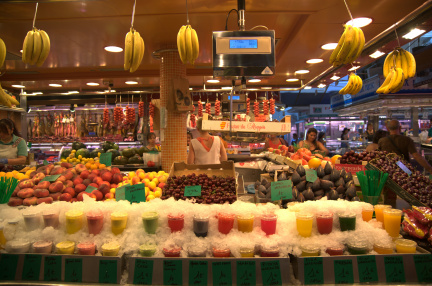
{"x": 313, "y": 271}
{"x": 198, "y": 272}
{"x": 367, "y": 268}
{"x": 343, "y": 271}
{"x": 192, "y": 191}
{"x": 281, "y": 190}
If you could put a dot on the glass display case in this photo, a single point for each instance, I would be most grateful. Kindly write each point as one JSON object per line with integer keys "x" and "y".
{"x": 339, "y": 147}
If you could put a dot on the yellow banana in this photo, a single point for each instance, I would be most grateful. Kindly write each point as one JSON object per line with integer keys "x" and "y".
{"x": 348, "y": 86}
{"x": 392, "y": 82}
{"x": 4, "y": 98}
{"x": 142, "y": 49}
{"x": 359, "y": 85}
{"x": 404, "y": 63}
{"x": 37, "y": 47}
{"x": 338, "y": 47}
{"x": 46, "y": 46}
{"x": 2, "y": 52}
{"x": 399, "y": 81}
{"x": 356, "y": 84}
{"x": 354, "y": 47}
{"x": 398, "y": 59}
{"x": 388, "y": 62}
{"x": 195, "y": 46}
{"x": 129, "y": 44}
{"x": 347, "y": 45}
{"x": 386, "y": 81}
{"x": 360, "y": 44}
{"x": 181, "y": 44}
{"x": 411, "y": 64}
{"x": 27, "y": 47}
{"x": 188, "y": 39}
{"x": 136, "y": 52}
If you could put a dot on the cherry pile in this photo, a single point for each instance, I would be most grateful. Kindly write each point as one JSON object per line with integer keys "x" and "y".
{"x": 214, "y": 189}
{"x": 272, "y": 106}
{"x": 351, "y": 157}
{"x": 217, "y": 107}
{"x": 141, "y": 109}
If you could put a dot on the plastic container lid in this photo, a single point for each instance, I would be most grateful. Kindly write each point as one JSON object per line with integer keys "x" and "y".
{"x": 406, "y": 243}
{"x": 19, "y": 243}
{"x": 304, "y": 216}
{"x": 176, "y": 216}
{"x": 310, "y": 248}
{"x": 110, "y": 246}
{"x": 31, "y": 212}
{"x": 150, "y": 215}
{"x": 384, "y": 245}
{"x": 270, "y": 248}
{"x": 119, "y": 214}
{"x": 269, "y": 216}
{"x": 358, "y": 244}
{"x": 65, "y": 244}
{"x": 74, "y": 213}
{"x": 13, "y": 221}
{"x": 42, "y": 244}
{"x": 94, "y": 214}
{"x": 347, "y": 214}
{"x": 147, "y": 247}
{"x": 382, "y": 206}
{"x": 86, "y": 245}
{"x": 201, "y": 217}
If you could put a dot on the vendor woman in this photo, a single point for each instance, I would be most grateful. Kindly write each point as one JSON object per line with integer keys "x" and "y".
{"x": 13, "y": 148}
{"x": 312, "y": 143}
{"x": 273, "y": 142}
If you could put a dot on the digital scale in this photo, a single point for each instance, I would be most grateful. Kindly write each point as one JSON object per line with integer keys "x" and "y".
{"x": 238, "y": 54}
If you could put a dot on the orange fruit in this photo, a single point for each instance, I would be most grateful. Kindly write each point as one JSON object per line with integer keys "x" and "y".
{"x": 314, "y": 163}
{"x": 102, "y": 166}
{"x": 94, "y": 166}
{"x": 88, "y": 166}
{"x": 335, "y": 158}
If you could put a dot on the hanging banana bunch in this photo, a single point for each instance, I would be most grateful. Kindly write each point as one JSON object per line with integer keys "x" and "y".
{"x": 353, "y": 86}
{"x": 134, "y": 50}
{"x": 187, "y": 44}
{"x": 36, "y": 46}
{"x": 393, "y": 82}
{"x": 400, "y": 58}
{"x": 2, "y": 52}
{"x": 349, "y": 47}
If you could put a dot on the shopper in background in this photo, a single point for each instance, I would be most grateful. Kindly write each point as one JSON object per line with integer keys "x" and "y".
{"x": 369, "y": 134}
{"x": 273, "y": 142}
{"x": 151, "y": 142}
{"x": 345, "y": 136}
{"x": 206, "y": 149}
{"x": 401, "y": 145}
{"x": 378, "y": 135}
{"x": 295, "y": 139}
{"x": 13, "y": 148}
{"x": 430, "y": 132}
{"x": 189, "y": 137}
{"x": 321, "y": 138}
{"x": 312, "y": 143}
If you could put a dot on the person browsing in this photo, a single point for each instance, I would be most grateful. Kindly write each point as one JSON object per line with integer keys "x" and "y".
{"x": 13, "y": 148}
{"x": 312, "y": 143}
{"x": 273, "y": 142}
{"x": 369, "y": 134}
{"x": 206, "y": 149}
{"x": 378, "y": 135}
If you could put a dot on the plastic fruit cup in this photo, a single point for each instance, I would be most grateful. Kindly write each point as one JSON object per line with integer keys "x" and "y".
{"x": 172, "y": 251}
{"x": 200, "y": 225}
{"x": 42, "y": 246}
{"x": 147, "y": 250}
{"x": 74, "y": 221}
{"x": 95, "y": 221}
{"x": 118, "y": 221}
{"x": 392, "y": 221}
{"x": 384, "y": 248}
{"x": 304, "y": 224}
{"x": 221, "y": 252}
{"x": 150, "y": 221}
{"x": 335, "y": 250}
{"x": 405, "y": 246}
{"x": 367, "y": 212}
{"x": 86, "y": 248}
{"x": 310, "y": 250}
{"x": 51, "y": 218}
{"x": 110, "y": 249}
{"x": 324, "y": 222}
{"x": 272, "y": 251}
{"x": 32, "y": 220}
{"x": 268, "y": 223}
{"x": 245, "y": 223}
{"x": 18, "y": 246}
{"x": 247, "y": 252}
{"x": 357, "y": 247}
{"x": 347, "y": 221}
{"x": 176, "y": 222}
{"x": 65, "y": 247}
{"x": 379, "y": 212}
{"x": 197, "y": 251}
{"x": 225, "y": 222}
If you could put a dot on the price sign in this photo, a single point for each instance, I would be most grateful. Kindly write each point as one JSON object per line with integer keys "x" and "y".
{"x": 31, "y": 268}
{"x": 192, "y": 191}
{"x": 198, "y": 272}
{"x": 404, "y": 168}
{"x": 281, "y": 190}
{"x": 172, "y": 272}
{"x": 143, "y": 272}
{"x": 45, "y": 162}
{"x": 73, "y": 270}
{"x": 52, "y": 268}
{"x": 246, "y": 274}
{"x": 135, "y": 193}
{"x": 313, "y": 271}
{"x": 311, "y": 175}
{"x": 90, "y": 189}
{"x": 120, "y": 193}
{"x": 343, "y": 271}
{"x": 270, "y": 271}
{"x": 222, "y": 274}
{"x": 394, "y": 268}
{"x": 8, "y": 266}
{"x": 367, "y": 268}
{"x": 108, "y": 271}
{"x": 52, "y": 178}
{"x": 423, "y": 265}
{"x": 105, "y": 158}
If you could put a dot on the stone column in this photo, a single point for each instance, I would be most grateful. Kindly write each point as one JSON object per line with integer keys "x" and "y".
{"x": 415, "y": 123}
{"x": 174, "y": 143}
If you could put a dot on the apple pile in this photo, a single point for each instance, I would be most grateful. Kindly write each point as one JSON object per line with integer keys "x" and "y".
{"x": 282, "y": 150}
{"x": 70, "y": 186}
{"x": 214, "y": 189}
{"x": 305, "y": 155}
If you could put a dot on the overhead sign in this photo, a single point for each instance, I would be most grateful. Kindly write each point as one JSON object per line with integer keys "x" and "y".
{"x": 242, "y": 126}
{"x": 367, "y": 92}
{"x": 320, "y": 109}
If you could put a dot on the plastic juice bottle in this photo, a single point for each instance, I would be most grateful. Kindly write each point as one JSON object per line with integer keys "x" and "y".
{"x": 245, "y": 223}
{"x": 200, "y": 225}
{"x": 110, "y": 249}
{"x": 367, "y": 212}
{"x": 347, "y": 221}
{"x": 324, "y": 223}
{"x": 32, "y": 220}
{"x": 225, "y": 222}
{"x": 392, "y": 221}
{"x": 379, "y": 212}
{"x": 172, "y": 252}
{"x": 86, "y": 248}
{"x": 247, "y": 252}
{"x": 268, "y": 223}
{"x": 357, "y": 247}
{"x": 335, "y": 250}
{"x": 270, "y": 251}
{"x": 405, "y": 246}
{"x": 176, "y": 222}
{"x": 304, "y": 224}
{"x": 147, "y": 250}
{"x": 384, "y": 248}
{"x": 95, "y": 221}
{"x": 65, "y": 247}
{"x": 118, "y": 222}
{"x": 150, "y": 221}
{"x": 221, "y": 252}
{"x": 51, "y": 218}
{"x": 310, "y": 250}
{"x": 74, "y": 221}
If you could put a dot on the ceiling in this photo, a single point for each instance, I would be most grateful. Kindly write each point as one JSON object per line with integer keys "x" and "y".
{"x": 79, "y": 31}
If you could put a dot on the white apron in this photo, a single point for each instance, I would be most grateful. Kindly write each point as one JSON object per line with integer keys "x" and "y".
{"x": 202, "y": 157}
{"x": 10, "y": 151}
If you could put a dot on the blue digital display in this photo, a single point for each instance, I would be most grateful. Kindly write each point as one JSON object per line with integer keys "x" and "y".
{"x": 244, "y": 44}
{"x": 235, "y": 97}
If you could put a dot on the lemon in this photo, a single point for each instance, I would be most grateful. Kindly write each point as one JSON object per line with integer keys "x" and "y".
{"x": 80, "y": 157}
{"x": 73, "y": 151}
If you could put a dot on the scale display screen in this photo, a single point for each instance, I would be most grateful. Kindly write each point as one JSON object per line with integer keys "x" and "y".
{"x": 243, "y": 44}
{"x": 235, "y": 97}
